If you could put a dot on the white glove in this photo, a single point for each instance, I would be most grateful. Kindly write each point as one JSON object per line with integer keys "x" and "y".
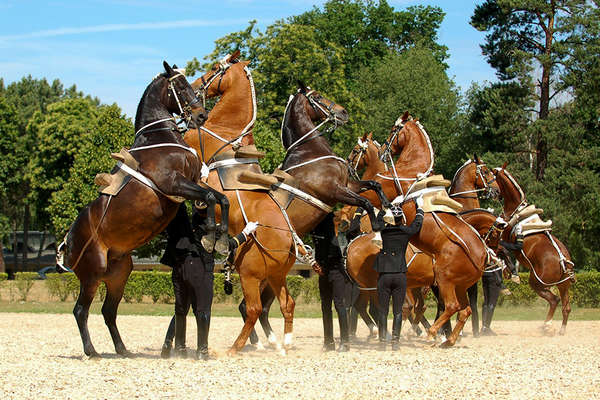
{"x": 419, "y": 202}
{"x": 249, "y": 228}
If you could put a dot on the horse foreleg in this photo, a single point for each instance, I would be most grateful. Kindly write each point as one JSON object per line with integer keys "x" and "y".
{"x": 115, "y": 286}
{"x": 251, "y": 289}
{"x": 347, "y": 196}
{"x": 363, "y": 186}
{"x": 563, "y": 289}
{"x": 87, "y": 291}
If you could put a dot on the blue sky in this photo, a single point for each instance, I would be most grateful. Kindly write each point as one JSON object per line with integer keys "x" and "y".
{"x": 111, "y": 49}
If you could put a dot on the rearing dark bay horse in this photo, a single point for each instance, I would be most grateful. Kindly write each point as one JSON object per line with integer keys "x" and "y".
{"x": 161, "y": 171}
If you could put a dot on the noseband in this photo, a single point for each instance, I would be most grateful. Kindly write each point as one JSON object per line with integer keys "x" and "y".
{"x": 224, "y": 65}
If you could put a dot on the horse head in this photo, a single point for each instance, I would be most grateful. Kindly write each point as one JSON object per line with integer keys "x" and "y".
{"x": 179, "y": 97}
{"x": 221, "y": 76}
{"x": 364, "y": 153}
{"x": 510, "y": 191}
{"x": 319, "y": 108}
{"x": 484, "y": 179}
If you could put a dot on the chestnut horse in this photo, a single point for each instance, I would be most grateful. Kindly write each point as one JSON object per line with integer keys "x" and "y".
{"x": 546, "y": 257}
{"x": 470, "y": 180}
{"x": 459, "y": 253}
{"x": 420, "y": 272}
{"x": 268, "y": 258}
{"x": 99, "y": 243}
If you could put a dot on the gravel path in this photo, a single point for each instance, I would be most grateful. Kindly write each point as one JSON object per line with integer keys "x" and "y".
{"x": 41, "y": 357}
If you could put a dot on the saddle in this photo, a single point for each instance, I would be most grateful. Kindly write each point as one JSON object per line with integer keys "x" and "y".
{"x": 435, "y": 200}
{"x": 532, "y": 224}
{"x": 112, "y": 183}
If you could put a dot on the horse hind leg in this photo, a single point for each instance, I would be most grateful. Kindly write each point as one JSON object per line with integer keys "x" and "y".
{"x": 287, "y": 305}
{"x": 87, "y": 291}
{"x": 114, "y": 293}
{"x": 451, "y": 307}
{"x": 251, "y": 289}
{"x": 545, "y": 293}
{"x": 563, "y": 289}
{"x": 463, "y": 315}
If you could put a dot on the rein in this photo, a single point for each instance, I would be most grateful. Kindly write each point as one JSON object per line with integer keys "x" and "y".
{"x": 478, "y": 173}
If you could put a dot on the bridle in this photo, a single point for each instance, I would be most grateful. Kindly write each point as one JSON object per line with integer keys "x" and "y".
{"x": 317, "y": 105}
{"x": 185, "y": 109}
{"x": 224, "y": 64}
{"x": 486, "y": 189}
{"x": 357, "y": 154}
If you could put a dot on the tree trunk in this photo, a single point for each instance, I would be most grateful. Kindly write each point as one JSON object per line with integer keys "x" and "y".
{"x": 542, "y": 146}
{"x": 2, "y": 265}
{"x": 26, "y": 218}
{"x": 39, "y": 255}
{"x": 15, "y": 246}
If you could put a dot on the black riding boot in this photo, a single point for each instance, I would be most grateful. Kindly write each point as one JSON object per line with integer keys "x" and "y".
{"x": 352, "y": 322}
{"x": 396, "y": 328}
{"x": 343, "y": 318}
{"x": 203, "y": 324}
{"x": 382, "y": 326}
{"x": 180, "y": 350}
{"x": 487, "y": 321}
{"x": 168, "y": 344}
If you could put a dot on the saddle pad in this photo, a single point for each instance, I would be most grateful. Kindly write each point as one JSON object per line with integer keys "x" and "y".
{"x": 112, "y": 184}
{"x": 282, "y": 197}
{"x": 434, "y": 180}
{"x": 229, "y": 176}
{"x": 440, "y": 201}
{"x": 533, "y": 224}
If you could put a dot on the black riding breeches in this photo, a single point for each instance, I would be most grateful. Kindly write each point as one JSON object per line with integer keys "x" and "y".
{"x": 332, "y": 287}
{"x": 391, "y": 285}
{"x": 193, "y": 285}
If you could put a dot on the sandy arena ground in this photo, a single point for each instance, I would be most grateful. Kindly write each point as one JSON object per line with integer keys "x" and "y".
{"x": 41, "y": 357}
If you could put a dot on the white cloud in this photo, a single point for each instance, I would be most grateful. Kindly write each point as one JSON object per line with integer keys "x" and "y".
{"x": 124, "y": 27}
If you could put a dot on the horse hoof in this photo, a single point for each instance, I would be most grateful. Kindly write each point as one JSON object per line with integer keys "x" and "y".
{"x": 126, "y": 353}
{"x": 93, "y": 355}
{"x": 446, "y": 344}
{"x": 208, "y": 241}
{"x": 222, "y": 245}
{"x": 562, "y": 332}
{"x": 231, "y": 352}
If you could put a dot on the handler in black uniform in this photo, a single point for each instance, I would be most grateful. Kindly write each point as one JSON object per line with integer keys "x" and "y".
{"x": 391, "y": 265}
{"x": 193, "y": 274}
{"x": 332, "y": 282}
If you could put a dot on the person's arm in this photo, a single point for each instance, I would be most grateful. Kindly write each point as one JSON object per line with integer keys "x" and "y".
{"x": 415, "y": 226}
{"x": 241, "y": 237}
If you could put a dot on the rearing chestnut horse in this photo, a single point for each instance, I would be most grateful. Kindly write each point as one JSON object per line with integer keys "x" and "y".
{"x": 99, "y": 243}
{"x": 546, "y": 257}
{"x": 459, "y": 253}
{"x": 470, "y": 180}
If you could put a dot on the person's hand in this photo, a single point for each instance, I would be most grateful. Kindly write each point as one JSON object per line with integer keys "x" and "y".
{"x": 419, "y": 202}
{"x": 317, "y": 268}
{"x": 250, "y": 228}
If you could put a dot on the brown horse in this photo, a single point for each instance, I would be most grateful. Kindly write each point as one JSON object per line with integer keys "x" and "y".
{"x": 99, "y": 243}
{"x": 268, "y": 258}
{"x": 459, "y": 252}
{"x": 546, "y": 257}
{"x": 361, "y": 253}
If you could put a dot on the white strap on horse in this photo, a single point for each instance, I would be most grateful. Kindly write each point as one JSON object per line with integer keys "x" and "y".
{"x": 232, "y": 161}
{"x": 305, "y": 196}
{"x": 315, "y": 160}
{"x": 143, "y": 179}
{"x": 562, "y": 261}
{"x": 152, "y": 146}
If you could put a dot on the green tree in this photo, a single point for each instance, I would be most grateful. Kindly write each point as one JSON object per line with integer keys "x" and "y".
{"x": 9, "y": 165}
{"x": 413, "y": 81}
{"x": 110, "y": 131}
{"x": 525, "y": 35}
{"x": 59, "y": 135}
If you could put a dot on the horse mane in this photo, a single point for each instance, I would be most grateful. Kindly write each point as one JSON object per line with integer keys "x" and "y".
{"x": 514, "y": 182}
{"x": 456, "y": 174}
{"x": 151, "y": 86}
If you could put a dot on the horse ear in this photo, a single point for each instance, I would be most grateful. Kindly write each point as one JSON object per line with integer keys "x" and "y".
{"x": 504, "y": 165}
{"x": 168, "y": 68}
{"x": 475, "y": 158}
{"x": 370, "y": 136}
{"x": 234, "y": 56}
{"x": 301, "y": 86}
{"x": 405, "y": 116}
{"x": 364, "y": 136}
